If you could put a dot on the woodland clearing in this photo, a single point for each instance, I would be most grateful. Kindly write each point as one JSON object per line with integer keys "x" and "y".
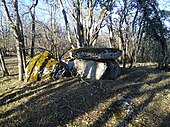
{"x": 139, "y": 97}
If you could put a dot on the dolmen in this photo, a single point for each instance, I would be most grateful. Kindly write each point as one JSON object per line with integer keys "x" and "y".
{"x": 90, "y": 63}
{"x": 96, "y": 63}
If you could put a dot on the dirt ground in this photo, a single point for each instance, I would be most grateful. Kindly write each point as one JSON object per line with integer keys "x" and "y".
{"x": 139, "y": 97}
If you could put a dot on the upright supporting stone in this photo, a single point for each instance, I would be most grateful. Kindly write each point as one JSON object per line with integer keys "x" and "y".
{"x": 90, "y": 69}
{"x": 112, "y": 71}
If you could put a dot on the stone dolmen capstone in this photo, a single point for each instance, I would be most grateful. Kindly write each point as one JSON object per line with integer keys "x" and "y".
{"x": 97, "y": 54}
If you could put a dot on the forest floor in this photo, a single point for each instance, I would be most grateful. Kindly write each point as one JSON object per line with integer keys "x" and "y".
{"x": 139, "y": 97}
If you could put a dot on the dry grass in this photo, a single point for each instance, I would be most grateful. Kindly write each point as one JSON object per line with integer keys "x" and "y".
{"x": 76, "y": 102}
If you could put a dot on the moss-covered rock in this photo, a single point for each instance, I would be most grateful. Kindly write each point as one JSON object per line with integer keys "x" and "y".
{"x": 50, "y": 69}
{"x": 42, "y": 67}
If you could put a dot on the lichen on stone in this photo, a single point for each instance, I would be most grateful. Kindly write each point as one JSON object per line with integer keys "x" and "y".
{"x": 31, "y": 66}
{"x": 50, "y": 68}
{"x": 41, "y": 67}
{"x": 96, "y": 53}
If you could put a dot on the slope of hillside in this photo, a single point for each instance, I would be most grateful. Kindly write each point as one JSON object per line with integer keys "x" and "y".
{"x": 139, "y": 97}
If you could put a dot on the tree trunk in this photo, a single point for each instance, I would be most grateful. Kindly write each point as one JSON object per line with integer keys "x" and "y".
{"x": 79, "y": 26}
{"x": 98, "y": 26}
{"x": 20, "y": 60}
{"x": 33, "y": 33}
{"x": 165, "y": 54}
{"x": 2, "y": 64}
{"x": 32, "y": 11}
{"x": 23, "y": 54}
{"x": 89, "y": 22}
{"x": 123, "y": 46}
{"x": 66, "y": 24}
{"x": 111, "y": 33}
{"x": 18, "y": 33}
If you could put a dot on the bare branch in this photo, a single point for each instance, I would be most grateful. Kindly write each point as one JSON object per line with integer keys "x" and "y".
{"x": 66, "y": 23}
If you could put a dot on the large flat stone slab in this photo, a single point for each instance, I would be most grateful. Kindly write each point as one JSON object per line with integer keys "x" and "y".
{"x": 98, "y": 54}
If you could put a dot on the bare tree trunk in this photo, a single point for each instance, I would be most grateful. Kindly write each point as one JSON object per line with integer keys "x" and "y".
{"x": 2, "y": 64}
{"x": 98, "y": 26}
{"x": 20, "y": 60}
{"x": 18, "y": 33}
{"x": 79, "y": 26}
{"x": 89, "y": 21}
{"x": 66, "y": 23}
{"x": 123, "y": 44}
{"x": 111, "y": 33}
{"x": 23, "y": 53}
{"x": 164, "y": 61}
{"x": 32, "y": 11}
{"x": 33, "y": 34}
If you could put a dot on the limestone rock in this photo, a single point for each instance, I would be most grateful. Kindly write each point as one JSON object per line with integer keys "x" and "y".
{"x": 112, "y": 71}
{"x": 99, "y": 54}
{"x": 91, "y": 63}
{"x": 91, "y": 69}
{"x": 88, "y": 68}
{"x": 96, "y": 63}
{"x": 42, "y": 67}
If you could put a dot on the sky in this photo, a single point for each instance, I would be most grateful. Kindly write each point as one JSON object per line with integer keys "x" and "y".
{"x": 42, "y": 11}
{"x": 43, "y": 14}
{"x": 165, "y": 5}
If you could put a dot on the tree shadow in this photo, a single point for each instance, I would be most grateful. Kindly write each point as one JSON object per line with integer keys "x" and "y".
{"x": 20, "y": 93}
{"x": 57, "y": 103}
{"x": 10, "y": 96}
{"x": 132, "y": 114}
{"x": 141, "y": 106}
{"x": 165, "y": 121}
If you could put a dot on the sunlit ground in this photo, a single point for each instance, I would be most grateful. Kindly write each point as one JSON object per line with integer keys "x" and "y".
{"x": 139, "y": 97}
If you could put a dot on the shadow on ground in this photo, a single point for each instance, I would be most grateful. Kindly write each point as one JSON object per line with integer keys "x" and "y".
{"x": 73, "y": 100}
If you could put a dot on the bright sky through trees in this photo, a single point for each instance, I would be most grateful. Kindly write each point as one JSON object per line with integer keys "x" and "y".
{"x": 165, "y": 5}
{"x": 42, "y": 10}
{"x": 43, "y": 14}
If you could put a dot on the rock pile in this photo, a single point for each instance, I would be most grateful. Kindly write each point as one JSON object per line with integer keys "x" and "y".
{"x": 92, "y": 63}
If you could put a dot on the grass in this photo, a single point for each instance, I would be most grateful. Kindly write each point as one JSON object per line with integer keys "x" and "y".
{"x": 139, "y": 97}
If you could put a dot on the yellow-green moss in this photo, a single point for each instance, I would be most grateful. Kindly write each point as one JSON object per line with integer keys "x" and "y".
{"x": 35, "y": 65}
{"x": 39, "y": 65}
{"x": 30, "y": 67}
